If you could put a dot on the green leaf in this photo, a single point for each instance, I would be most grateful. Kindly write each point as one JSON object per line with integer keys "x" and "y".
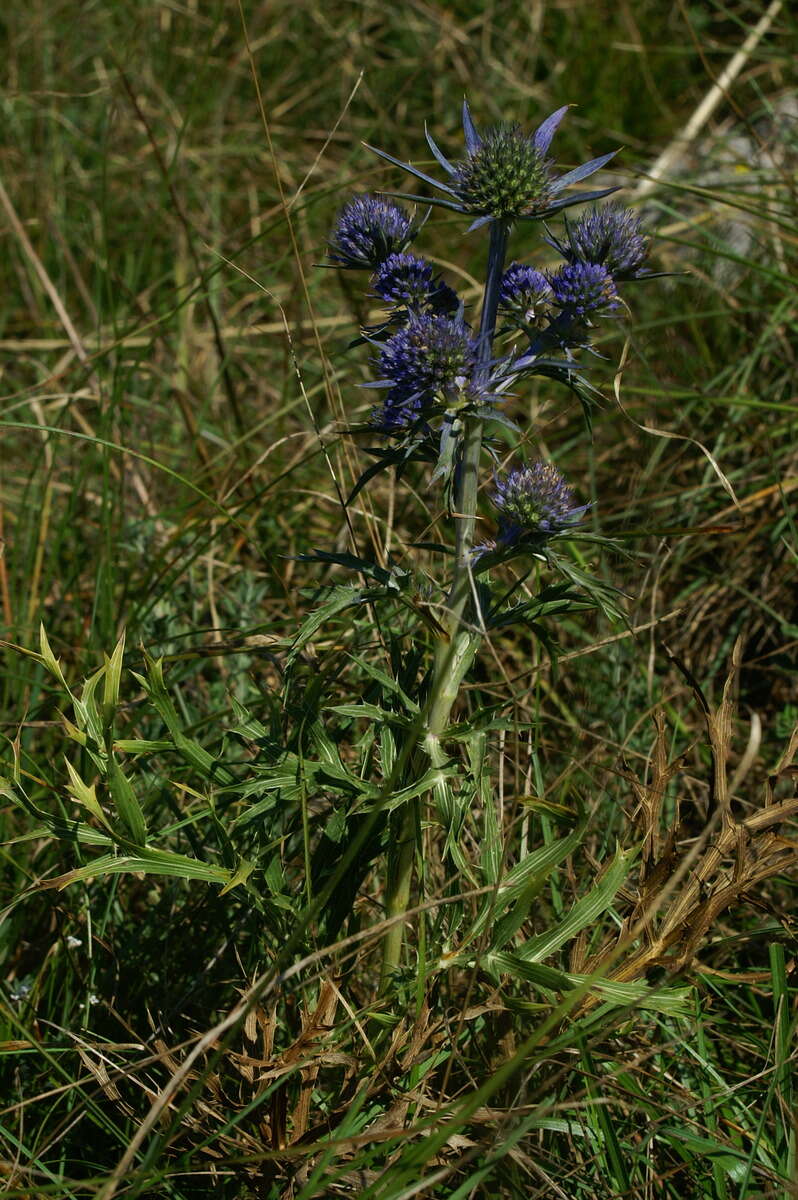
{"x": 50, "y": 661}
{"x": 126, "y": 803}
{"x": 369, "y": 712}
{"x": 583, "y": 913}
{"x": 340, "y": 599}
{"x": 55, "y": 826}
{"x": 141, "y": 746}
{"x": 371, "y": 570}
{"x": 86, "y": 795}
{"x": 526, "y": 879}
{"x": 240, "y": 875}
{"x": 87, "y": 712}
{"x": 335, "y": 829}
{"x": 112, "y": 681}
{"x": 427, "y": 783}
{"x": 192, "y": 752}
{"x": 149, "y": 861}
{"x": 638, "y": 994}
{"x": 390, "y": 685}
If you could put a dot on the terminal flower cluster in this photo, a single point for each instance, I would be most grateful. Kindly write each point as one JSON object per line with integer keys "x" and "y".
{"x": 436, "y": 370}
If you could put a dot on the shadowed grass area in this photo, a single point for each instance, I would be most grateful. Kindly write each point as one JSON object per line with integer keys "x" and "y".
{"x": 176, "y": 386}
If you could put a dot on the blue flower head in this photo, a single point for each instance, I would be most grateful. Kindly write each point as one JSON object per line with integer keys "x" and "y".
{"x": 610, "y": 235}
{"x": 525, "y": 292}
{"x": 535, "y": 503}
{"x": 431, "y": 357}
{"x": 506, "y": 174}
{"x": 405, "y": 281}
{"x": 430, "y": 360}
{"x": 368, "y": 230}
{"x": 582, "y": 289}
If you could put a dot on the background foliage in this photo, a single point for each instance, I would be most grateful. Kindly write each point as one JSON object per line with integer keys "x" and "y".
{"x": 174, "y": 384}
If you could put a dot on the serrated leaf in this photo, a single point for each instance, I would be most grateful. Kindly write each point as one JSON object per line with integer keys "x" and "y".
{"x": 526, "y": 878}
{"x": 673, "y": 1001}
{"x": 341, "y": 598}
{"x": 112, "y": 681}
{"x": 87, "y": 710}
{"x": 386, "y": 681}
{"x": 72, "y": 731}
{"x": 54, "y": 826}
{"x": 49, "y": 659}
{"x": 86, "y": 795}
{"x": 335, "y": 829}
{"x": 239, "y": 876}
{"x": 192, "y": 752}
{"x": 371, "y": 570}
{"x": 369, "y": 712}
{"x": 141, "y": 746}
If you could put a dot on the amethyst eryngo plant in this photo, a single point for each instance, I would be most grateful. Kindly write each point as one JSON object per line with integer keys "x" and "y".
{"x": 444, "y": 382}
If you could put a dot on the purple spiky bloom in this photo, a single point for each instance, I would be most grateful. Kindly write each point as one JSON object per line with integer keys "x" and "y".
{"x": 534, "y": 503}
{"x": 610, "y": 235}
{"x": 506, "y": 174}
{"x": 582, "y": 288}
{"x": 431, "y": 357}
{"x": 368, "y": 230}
{"x": 525, "y": 291}
{"x": 404, "y": 280}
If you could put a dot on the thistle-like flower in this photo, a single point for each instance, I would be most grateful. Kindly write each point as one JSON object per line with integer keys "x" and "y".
{"x": 430, "y": 360}
{"x": 506, "y": 174}
{"x": 525, "y": 293}
{"x": 431, "y": 357}
{"x": 535, "y": 503}
{"x": 610, "y": 235}
{"x": 406, "y": 281}
{"x": 368, "y": 230}
{"x": 582, "y": 289}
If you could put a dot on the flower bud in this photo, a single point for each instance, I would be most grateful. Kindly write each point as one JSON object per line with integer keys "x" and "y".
{"x": 582, "y": 289}
{"x": 406, "y": 281}
{"x": 612, "y": 236}
{"x": 525, "y": 292}
{"x": 368, "y": 230}
{"x": 535, "y": 503}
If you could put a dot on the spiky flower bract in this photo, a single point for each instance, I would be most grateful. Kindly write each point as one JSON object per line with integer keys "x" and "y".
{"x": 405, "y": 280}
{"x": 525, "y": 292}
{"x": 535, "y": 503}
{"x": 506, "y": 174}
{"x": 397, "y": 413}
{"x": 368, "y": 230}
{"x": 581, "y": 289}
{"x": 610, "y": 235}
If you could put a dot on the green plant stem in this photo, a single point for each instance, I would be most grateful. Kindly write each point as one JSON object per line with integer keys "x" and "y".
{"x": 400, "y": 875}
{"x": 455, "y": 650}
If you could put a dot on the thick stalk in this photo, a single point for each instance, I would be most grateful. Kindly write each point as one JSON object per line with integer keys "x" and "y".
{"x": 455, "y": 652}
{"x": 400, "y": 875}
